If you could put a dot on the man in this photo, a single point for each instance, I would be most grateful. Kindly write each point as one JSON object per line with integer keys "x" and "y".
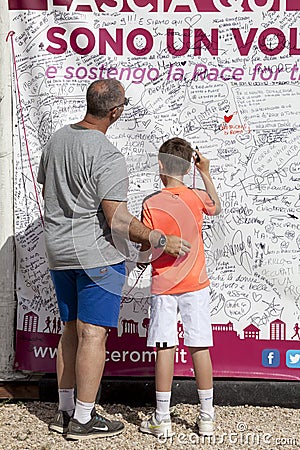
{"x": 85, "y": 185}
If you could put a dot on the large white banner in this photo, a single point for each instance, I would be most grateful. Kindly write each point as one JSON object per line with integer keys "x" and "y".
{"x": 223, "y": 74}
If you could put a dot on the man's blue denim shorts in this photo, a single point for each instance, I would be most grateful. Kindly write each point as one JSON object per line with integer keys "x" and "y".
{"x": 91, "y": 295}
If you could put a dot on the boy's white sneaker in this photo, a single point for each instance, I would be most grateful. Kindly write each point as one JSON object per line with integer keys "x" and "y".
{"x": 206, "y": 425}
{"x": 153, "y": 426}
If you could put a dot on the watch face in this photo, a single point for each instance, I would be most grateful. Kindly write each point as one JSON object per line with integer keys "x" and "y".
{"x": 162, "y": 241}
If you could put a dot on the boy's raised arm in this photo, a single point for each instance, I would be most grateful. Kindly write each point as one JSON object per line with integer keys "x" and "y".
{"x": 202, "y": 165}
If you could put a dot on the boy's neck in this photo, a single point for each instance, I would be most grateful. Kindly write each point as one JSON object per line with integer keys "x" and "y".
{"x": 171, "y": 182}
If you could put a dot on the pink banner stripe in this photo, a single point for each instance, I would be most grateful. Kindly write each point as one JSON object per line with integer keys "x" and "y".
{"x": 202, "y": 5}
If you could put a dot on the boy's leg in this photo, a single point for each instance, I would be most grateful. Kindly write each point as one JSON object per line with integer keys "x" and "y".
{"x": 203, "y": 373}
{"x": 160, "y": 422}
{"x": 162, "y": 334}
{"x": 164, "y": 371}
{"x": 202, "y": 367}
{"x": 195, "y": 313}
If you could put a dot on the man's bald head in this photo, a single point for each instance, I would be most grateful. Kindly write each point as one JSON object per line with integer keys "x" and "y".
{"x": 102, "y": 95}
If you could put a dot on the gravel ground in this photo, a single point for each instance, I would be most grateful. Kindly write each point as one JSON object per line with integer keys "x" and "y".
{"x": 24, "y": 426}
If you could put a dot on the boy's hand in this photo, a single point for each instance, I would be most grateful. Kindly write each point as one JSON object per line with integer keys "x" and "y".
{"x": 201, "y": 162}
{"x": 202, "y": 165}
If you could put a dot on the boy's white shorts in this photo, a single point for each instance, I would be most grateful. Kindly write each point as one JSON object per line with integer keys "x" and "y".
{"x": 195, "y": 316}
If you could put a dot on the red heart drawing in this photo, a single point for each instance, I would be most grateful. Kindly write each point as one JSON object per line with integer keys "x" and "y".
{"x": 228, "y": 118}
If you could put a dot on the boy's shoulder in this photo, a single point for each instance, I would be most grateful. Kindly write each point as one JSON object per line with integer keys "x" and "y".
{"x": 202, "y": 193}
{"x": 198, "y": 190}
{"x": 204, "y": 197}
{"x": 151, "y": 196}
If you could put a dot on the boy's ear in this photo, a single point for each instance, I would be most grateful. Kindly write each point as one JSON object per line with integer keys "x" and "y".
{"x": 161, "y": 166}
{"x": 188, "y": 169}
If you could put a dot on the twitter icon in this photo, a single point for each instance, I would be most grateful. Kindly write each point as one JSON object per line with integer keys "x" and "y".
{"x": 293, "y": 359}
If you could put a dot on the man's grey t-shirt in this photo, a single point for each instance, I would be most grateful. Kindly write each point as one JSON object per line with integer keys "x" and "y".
{"x": 79, "y": 168}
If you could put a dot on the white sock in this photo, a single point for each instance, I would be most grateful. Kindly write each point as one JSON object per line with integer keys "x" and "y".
{"x": 206, "y": 401}
{"x": 162, "y": 405}
{"x": 66, "y": 400}
{"x": 83, "y": 411}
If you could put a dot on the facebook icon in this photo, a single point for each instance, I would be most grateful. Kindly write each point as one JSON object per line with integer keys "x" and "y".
{"x": 270, "y": 358}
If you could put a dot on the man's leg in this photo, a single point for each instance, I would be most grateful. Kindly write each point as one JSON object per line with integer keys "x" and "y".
{"x": 65, "y": 367}
{"x": 90, "y": 360}
{"x": 66, "y": 356}
{"x": 65, "y": 287}
{"x": 99, "y": 297}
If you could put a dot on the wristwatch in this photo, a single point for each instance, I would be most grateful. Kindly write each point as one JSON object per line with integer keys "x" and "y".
{"x": 161, "y": 242}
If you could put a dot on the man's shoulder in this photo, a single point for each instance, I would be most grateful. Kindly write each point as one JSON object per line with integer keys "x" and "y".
{"x": 63, "y": 129}
{"x": 60, "y": 132}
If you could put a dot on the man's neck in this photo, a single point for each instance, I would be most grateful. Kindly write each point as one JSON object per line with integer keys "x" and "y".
{"x": 92, "y": 123}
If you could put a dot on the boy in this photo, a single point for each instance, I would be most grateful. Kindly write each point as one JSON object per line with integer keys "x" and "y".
{"x": 180, "y": 283}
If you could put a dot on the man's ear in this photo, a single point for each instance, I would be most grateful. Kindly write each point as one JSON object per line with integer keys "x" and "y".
{"x": 113, "y": 115}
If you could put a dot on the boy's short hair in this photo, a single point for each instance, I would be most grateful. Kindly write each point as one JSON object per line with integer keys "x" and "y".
{"x": 175, "y": 155}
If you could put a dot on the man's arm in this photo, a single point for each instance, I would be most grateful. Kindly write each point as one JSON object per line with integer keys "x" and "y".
{"x": 129, "y": 227}
{"x": 202, "y": 165}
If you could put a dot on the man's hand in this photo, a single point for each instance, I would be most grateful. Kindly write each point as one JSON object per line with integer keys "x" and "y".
{"x": 126, "y": 225}
{"x": 176, "y": 246}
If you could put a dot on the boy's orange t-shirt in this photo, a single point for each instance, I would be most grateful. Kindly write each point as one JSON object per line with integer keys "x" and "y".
{"x": 178, "y": 211}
